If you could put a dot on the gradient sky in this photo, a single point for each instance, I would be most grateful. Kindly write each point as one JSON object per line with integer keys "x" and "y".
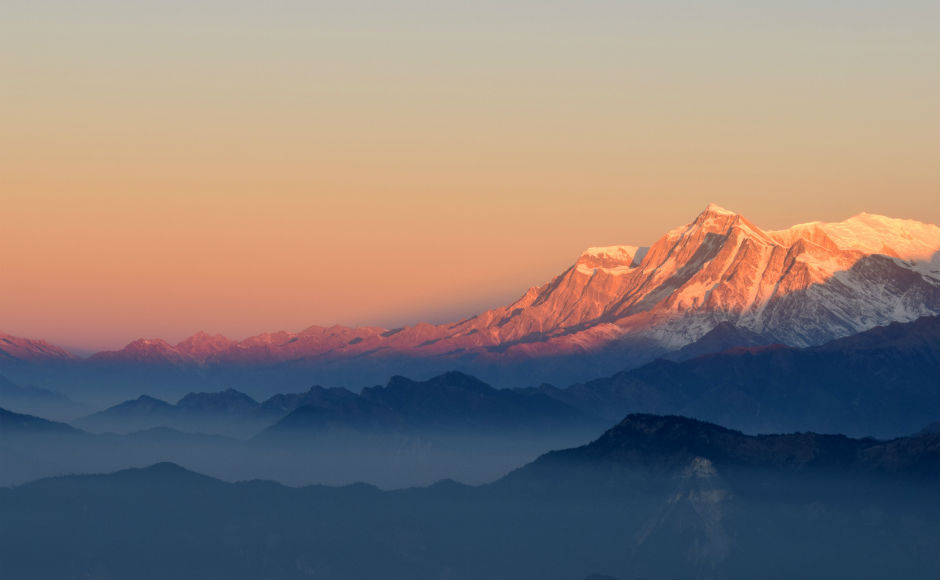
{"x": 167, "y": 167}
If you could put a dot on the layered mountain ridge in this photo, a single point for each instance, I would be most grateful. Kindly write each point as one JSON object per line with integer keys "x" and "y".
{"x": 881, "y": 383}
{"x": 626, "y": 304}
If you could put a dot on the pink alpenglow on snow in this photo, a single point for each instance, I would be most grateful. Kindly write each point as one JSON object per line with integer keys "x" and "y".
{"x": 801, "y": 286}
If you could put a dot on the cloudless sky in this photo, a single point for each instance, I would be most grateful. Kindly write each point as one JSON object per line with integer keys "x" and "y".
{"x": 236, "y": 166}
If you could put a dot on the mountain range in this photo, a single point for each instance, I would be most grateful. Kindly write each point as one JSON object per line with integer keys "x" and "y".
{"x": 809, "y": 358}
{"x": 881, "y": 382}
{"x": 448, "y": 404}
{"x": 614, "y": 308}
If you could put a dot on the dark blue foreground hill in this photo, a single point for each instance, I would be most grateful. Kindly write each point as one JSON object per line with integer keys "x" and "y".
{"x": 665, "y": 444}
{"x": 654, "y": 497}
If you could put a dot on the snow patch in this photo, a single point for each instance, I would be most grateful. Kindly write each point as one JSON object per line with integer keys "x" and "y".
{"x": 872, "y": 234}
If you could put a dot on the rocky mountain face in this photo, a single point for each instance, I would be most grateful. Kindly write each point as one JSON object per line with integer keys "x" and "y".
{"x": 621, "y": 306}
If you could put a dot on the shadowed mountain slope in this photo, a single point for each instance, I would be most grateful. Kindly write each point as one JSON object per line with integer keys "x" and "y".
{"x": 882, "y": 382}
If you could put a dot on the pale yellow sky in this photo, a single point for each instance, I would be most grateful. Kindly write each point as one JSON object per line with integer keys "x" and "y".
{"x": 167, "y": 167}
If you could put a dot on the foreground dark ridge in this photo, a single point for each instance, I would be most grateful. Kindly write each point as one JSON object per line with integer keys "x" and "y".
{"x": 656, "y": 496}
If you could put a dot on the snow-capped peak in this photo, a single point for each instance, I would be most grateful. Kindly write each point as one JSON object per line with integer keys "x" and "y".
{"x": 623, "y": 255}
{"x": 715, "y": 209}
{"x": 872, "y": 234}
{"x": 611, "y": 259}
{"x": 713, "y": 219}
{"x": 799, "y": 286}
{"x": 29, "y": 348}
{"x": 202, "y": 345}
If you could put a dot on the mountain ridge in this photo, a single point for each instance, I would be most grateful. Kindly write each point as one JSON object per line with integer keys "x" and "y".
{"x": 669, "y": 442}
{"x": 882, "y": 379}
{"x": 801, "y": 286}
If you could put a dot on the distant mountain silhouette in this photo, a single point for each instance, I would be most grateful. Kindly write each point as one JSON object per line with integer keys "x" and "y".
{"x": 277, "y": 406}
{"x": 227, "y": 401}
{"x": 403, "y": 434}
{"x": 448, "y": 403}
{"x": 451, "y": 402}
{"x": 132, "y": 415}
{"x": 227, "y": 412}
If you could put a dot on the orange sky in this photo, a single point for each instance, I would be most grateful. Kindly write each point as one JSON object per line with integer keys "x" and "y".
{"x": 239, "y": 167}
